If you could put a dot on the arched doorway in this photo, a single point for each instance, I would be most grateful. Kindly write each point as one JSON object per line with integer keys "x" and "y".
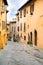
{"x": 35, "y": 37}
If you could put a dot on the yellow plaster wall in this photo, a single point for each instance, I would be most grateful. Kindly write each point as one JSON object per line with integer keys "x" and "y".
{"x": 36, "y": 22}
{"x": 3, "y": 34}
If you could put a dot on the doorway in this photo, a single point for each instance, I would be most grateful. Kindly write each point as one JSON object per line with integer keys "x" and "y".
{"x": 31, "y": 36}
{"x": 35, "y": 36}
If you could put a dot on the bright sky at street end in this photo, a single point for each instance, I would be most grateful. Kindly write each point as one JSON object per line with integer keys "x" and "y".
{"x": 13, "y": 6}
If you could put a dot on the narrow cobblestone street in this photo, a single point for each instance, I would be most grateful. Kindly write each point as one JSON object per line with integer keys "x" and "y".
{"x": 15, "y": 54}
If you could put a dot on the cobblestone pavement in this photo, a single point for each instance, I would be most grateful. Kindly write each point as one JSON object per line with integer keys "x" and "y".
{"x": 16, "y": 54}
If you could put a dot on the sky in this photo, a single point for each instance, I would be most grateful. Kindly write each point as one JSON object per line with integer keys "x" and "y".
{"x": 13, "y": 6}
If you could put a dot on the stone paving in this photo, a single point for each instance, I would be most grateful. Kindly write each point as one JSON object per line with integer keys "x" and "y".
{"x": 17, "y": 54}
{"x": 36, "y": 52}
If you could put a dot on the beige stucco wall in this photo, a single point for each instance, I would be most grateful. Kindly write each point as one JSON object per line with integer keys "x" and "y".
{"x": 23, "y": 20}
{"x": 12, "y": 32}
{"x": 33, "y": 22}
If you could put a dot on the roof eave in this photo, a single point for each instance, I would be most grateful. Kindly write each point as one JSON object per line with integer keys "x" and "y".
{"x": 5, "y": 1}
{"x": 24, "y": 4}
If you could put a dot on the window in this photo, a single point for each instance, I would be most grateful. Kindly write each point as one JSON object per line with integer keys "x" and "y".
{"x": 28, "y": 26}
{"x": 18, "y": 28}
{"x": 32, "y": 8}
{"x": 14, "y": 29}
{"x": 21, "y": 34}
{"x": 25, "y": 12}
{"x": 24, "y": 37}
{"x": 28, "y": 37}
{"x": 24, "y": 27}
{"x": 20, "y": 14}
{"x": 7, "y": 29}
{"x": 3, "y": 5}
{"x": 21, "y": 26}
{"x": 18, "y": 18}
{"x": 3, "y": 25}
